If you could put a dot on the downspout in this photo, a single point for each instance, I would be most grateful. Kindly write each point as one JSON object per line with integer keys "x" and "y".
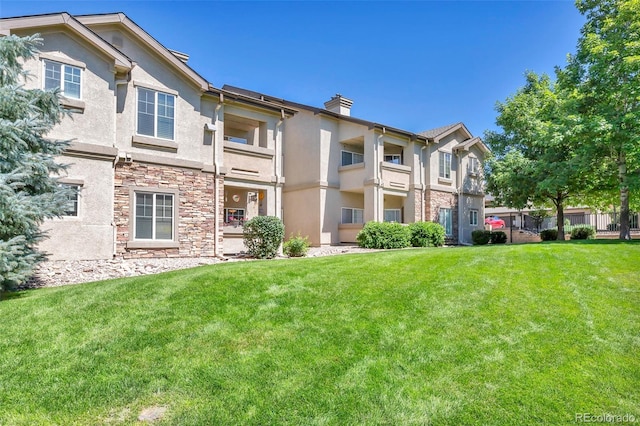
{"x": 118, "y": 82}
{"x": 216, "y": 177}
{"x": 377, "y": 177}
{"x": 423, "y": 189}
{"x": 276, "y": 161}
{"x": 459, "y": 177}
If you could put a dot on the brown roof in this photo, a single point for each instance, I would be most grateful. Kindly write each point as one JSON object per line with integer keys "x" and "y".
{"x": 438, "y": 130}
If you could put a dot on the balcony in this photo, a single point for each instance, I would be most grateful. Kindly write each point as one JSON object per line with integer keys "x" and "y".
{"x": 248, "y": 162}
{"x": 352, "y": 177}
{"x": 396, "y": 177}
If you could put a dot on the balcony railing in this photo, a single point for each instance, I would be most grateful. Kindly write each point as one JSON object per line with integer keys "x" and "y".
{"x": 395, "y": 176}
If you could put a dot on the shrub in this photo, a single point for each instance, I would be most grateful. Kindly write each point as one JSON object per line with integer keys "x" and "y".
{"x": 583, "y": 233}
{"x": 498, "y": 237}
{"x": 384, "y": 235}
{"x": 549, "y": 235}
{"x": 262, "y": 236}
{"x": 480, "y": 237}
{"x": 426, "y": 234}
{"x": 296, "y": 246}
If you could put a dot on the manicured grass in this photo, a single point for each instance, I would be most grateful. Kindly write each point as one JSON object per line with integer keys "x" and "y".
{"x": 475, "y": 335}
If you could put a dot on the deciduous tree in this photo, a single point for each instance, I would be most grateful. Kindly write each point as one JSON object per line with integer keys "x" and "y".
{"x": 603, "y": 81}
{"x": 534, "y": 160}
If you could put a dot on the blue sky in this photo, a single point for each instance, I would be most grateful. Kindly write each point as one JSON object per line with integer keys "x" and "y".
{"x": 412, "y": 65}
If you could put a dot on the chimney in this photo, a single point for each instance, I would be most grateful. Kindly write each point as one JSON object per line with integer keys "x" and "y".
{"x": 339, "y": 104}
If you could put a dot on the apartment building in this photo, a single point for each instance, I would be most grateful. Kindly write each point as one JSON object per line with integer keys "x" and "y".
{"x": 167, "y": 165}
{"x": 346, "y": 171}
{"x": 152, "y": 152}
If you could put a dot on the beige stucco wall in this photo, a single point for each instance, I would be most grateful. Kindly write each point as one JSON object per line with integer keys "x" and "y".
{"x": 301, "y": 140}
{"x": 96, "y": 124}
{"x": 471, "y": 183}
{"x": 154, "y": 73}
{"x": 444, "y": 145}
{"x": 302, "y": 213}
{"x": 90, "y": 234}
{"x": 304, "y": 176}
{"x": 468, "y": 203}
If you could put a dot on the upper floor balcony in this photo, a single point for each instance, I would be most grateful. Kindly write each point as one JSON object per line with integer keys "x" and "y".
{"x": 395, "y": 176}
{"x": 246, "y": 152}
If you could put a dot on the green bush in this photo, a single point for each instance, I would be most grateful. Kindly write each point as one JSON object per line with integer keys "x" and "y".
{"x": 498, "y": 237}
{"x": 296, "y": 246}
{"x": 426, "y": 234}
{"x": 583, "y": 233}
{"x": 262, "y": 236}
{"x": 384, "y": 235}
{"x": 549, "y": 235}
{"x": 480, "y": 237}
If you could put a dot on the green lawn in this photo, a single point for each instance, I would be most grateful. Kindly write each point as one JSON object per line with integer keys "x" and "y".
{"x": 475, "y": 335}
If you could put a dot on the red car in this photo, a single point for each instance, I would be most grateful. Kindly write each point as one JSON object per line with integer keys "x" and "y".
{"x": 494, "y": 221}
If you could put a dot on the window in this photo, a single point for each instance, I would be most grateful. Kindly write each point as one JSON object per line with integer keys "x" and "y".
{"x": 73, "y": 196}
{"x": 232, "y": 215}
{"x": 154, "y": 216}
{"x": 473, "y": 218}
{"x": 445, "y": 165}
{"x": 393, "y": 158}
{"x": 446, "y": 221}
{"x": 349, "y": 157}
{"x": 392, "y": 215}
{"x": 156, "y": 112}
{"x": 350, "y": 215}
{"x": 474, "y": 165}
{"x": 65, "y": 77}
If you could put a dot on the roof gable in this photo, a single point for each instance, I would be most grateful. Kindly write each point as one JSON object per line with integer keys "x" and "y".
{"x": 64, "y": 20}
{"x": 467, "y": 144}
{"x": 440, "y": 132}
{"x": 175, "y": 61}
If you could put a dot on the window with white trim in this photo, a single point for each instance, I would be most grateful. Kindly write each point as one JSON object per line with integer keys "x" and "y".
{"x": 154, "y": 216}
{"x": 445, "y": 165}
{"x": 349, "y": 157}
{"x": 65, "y": 77}
{"x": 73, "y": 198}
{"x": 393, "y": 158}
{"x": 473, "y": 217}
{"x": 393, "y": 215}
{"x": 474, "y": 165}
{"x": 156, "y": 114}
{"x": 446, "y": 220}
{"x": 351, "y": 215}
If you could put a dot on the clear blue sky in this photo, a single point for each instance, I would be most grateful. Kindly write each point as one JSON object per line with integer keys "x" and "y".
{"x": 412, "y": 65}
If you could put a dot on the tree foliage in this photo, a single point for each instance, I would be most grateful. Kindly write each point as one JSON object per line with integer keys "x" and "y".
{"x": 603, "y": 82}
{"x": 534, "y": 158}
{"x": 28, "y": 189}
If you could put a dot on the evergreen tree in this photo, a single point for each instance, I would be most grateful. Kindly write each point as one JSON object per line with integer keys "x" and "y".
{"x": 29, "y": 192}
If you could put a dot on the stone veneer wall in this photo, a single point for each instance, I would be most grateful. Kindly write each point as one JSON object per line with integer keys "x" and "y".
{"x": 196, "y": 209}
{"x": 440, "y": 199}
{"x": 418, "y": 203}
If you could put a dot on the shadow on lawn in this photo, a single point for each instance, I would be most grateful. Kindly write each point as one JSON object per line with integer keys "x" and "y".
{"x": 10, "y": 295}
